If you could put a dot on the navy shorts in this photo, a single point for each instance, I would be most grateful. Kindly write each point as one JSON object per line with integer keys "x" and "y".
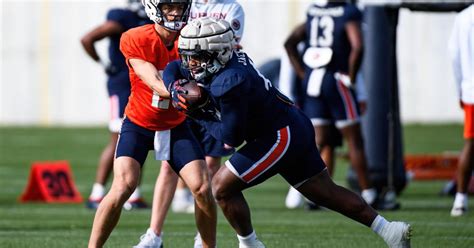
{"x": 290, "y": 152}
{"x": 210, "y": 146}
{"x": 135, "y": 142}
{"x": 336, "y": 104}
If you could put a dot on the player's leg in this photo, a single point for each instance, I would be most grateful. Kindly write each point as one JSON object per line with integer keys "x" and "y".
{"x": 187, "y": 159}
{"x": 196, "y": 176}
{"x": 132, "y": 148}
{"x": 106, "y": 159}
{"x": 165, "y": 186}
{"x": 126, "y": 174}
{"x": 465, "y": 164}
{"x": 346, "y": 112}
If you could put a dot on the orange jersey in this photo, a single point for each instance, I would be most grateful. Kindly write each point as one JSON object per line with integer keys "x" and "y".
{"x": 144, "y": 43}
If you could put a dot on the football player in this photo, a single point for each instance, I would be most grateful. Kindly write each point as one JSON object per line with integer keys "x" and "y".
{"x": 329, "y": 66}
{"x": 462, "y": 53}
{"x": 232, "y": 12}
{"x": 214, "y": 150}
{"x": 274, "y": 136}
{"x": 151, "y": 123}
{"x": 118, "y": 86}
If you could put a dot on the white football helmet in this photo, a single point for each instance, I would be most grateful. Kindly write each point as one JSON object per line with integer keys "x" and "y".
{"x": 209, "y": 41}
{"x": 153, "y": 10}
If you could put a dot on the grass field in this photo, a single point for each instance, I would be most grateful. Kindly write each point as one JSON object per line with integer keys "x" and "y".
{"x": 68, "y": 225}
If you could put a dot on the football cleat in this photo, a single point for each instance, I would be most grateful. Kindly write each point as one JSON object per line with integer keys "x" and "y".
{"x": 397, "y": 234}
{"x": 135, "y": 204}
{"x": 257, "y": 244}
{"x": 458, "y": 211}
{"x": 93, "y": 203}
{"x": 150, "y": 240}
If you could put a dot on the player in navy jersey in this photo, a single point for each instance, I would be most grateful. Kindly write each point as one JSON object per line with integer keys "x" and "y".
{"x": 118, "y": 87}
{"x": 275, "y": 137}
{"x": 329, "y": 66}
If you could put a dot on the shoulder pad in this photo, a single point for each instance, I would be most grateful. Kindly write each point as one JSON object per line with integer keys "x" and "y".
{"x": 226, "y": 81}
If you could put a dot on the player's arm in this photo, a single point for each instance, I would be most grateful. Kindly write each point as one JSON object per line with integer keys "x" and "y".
{"x": 291, "y": 47}
{"x": 354, "y": 36}
{"x": 148, "y": 73}
{"x": 107, "y": 29}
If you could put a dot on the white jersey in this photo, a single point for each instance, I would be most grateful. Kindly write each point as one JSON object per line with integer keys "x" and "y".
{"x": 461, "y": 47}
{"x": 229, "y": 10}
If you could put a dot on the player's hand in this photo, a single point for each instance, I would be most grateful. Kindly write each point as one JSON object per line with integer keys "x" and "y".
{"x": 176, "y": 90}
{"x": 344, "y": 79}
{"x": 461, "y": 104}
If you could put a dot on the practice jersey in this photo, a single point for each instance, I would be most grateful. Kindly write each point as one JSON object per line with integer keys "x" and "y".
{"x": 229, "y": 10}
{"x": 247, "y": 103}
{"x": 127, "y": 19}
{"x": 142, "y": 109}
{"x": 325, "y": 26}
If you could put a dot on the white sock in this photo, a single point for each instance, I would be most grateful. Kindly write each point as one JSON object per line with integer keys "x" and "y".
{"x": 181, "y": 194}
{"x": 135, "y": 195}
{"x": 378, "y": 224}
{"x": 98, "y": 191}
{"x": 248, "y": 240}
{"x": 150, "y": 231}
{"x": 369, "y": 195}
{"x": 460, "y": 200}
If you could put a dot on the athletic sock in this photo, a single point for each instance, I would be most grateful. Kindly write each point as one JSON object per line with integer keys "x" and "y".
{"x": 248, "y": 240}
{"x": 460, "y": 200}
{"x": 135, "y": 195}
{"x": 98, "y": 191}
{"x": 378, "y": 224}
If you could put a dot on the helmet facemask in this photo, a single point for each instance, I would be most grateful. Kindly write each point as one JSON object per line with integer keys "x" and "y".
{"x": 201, "y": 64}
{"x": 154, "y": 11}
{"x": 205, "y": 46}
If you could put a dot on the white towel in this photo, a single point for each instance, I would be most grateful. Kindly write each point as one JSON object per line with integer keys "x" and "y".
{"x": 162, "y": 145}
{"x": 315, "y": 81}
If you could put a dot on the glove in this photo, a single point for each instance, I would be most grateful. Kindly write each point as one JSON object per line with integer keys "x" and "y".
{"x": 176, "y": 90}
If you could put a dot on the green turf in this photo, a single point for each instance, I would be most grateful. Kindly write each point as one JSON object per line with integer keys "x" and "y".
{"x": 68, "y": 225}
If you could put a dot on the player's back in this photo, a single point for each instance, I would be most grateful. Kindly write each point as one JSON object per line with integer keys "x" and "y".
{"x": 127, "y": 19}
{"x": 267, "y": 107}
{"x": 325, "y": 27}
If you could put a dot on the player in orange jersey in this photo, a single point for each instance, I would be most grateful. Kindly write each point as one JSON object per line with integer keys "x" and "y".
{"x": 151, "y": 123}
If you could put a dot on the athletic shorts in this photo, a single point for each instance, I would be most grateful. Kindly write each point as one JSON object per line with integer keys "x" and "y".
{"x": 210, "y": 146}
{"x": 469, "y": 121}
{"x": 135, "y": 142}
{"x": 290, "y": 152}
{"x": 335, "y": 104}
{"x": 118, "y": 88}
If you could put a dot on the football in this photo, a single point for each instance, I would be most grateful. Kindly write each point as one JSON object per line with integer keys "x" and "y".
{"x": 194, "y": 95}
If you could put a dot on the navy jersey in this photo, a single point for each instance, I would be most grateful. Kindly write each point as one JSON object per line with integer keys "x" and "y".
{"x": 249, "y": 106}
{"x": 127, "y": 19}
{"x": 325, "y": 27}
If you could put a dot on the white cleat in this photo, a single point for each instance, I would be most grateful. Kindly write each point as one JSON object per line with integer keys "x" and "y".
{"x": 294, "y": 199}
{"x": 257, "y": 244}
{"x": 150, "y": 240}
{"x": 186, "y": 207}
{"x": 458, "y": 211}
{"x": 397, "y": 234}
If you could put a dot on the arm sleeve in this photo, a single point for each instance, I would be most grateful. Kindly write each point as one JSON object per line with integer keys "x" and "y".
{"x": 236, "y": 18}
{"x": 172, "y": 73}
{"x": 353, "y": 14}
{"x": 116, "y": 15}
{"x": 231, "y": 128}
{"x": 130, "y": 48}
